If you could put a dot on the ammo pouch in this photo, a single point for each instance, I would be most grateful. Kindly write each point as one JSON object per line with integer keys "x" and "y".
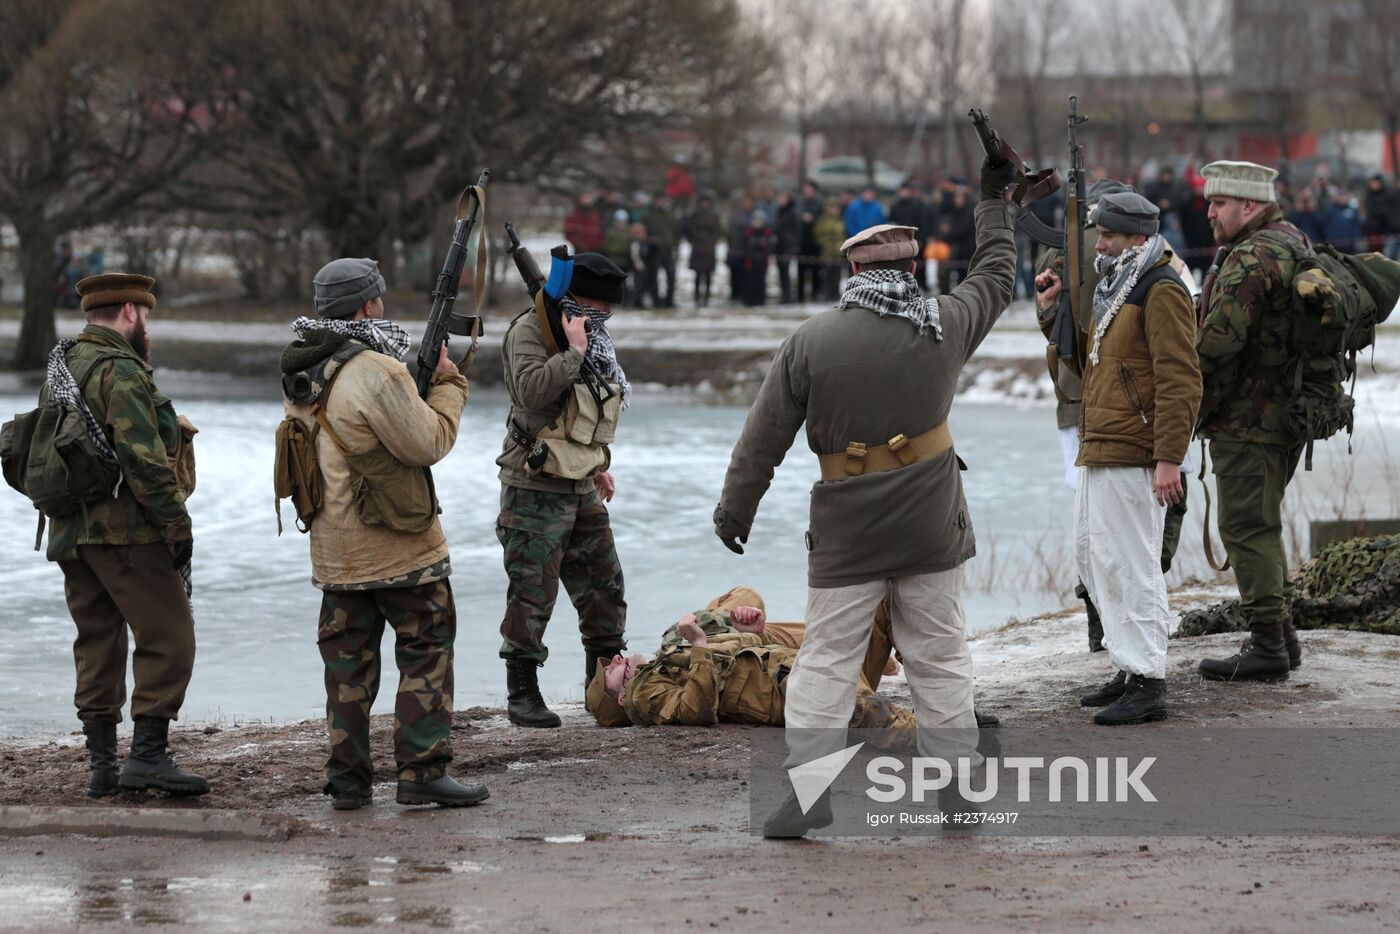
{"x": 388, "y": 492}
{"x": 182, "y": 458}
{"x": 576, "y": 444}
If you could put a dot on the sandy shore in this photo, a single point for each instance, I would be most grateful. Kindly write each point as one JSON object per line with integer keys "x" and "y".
{"x": 591, "y": 829}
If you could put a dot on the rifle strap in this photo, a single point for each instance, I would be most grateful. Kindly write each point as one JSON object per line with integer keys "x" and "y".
{"x": 1205, "y": 525}
{"x": 483, "y": 250}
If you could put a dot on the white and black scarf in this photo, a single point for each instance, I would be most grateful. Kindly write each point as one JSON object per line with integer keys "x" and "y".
{"x": 383, "y": 336}
{"x": 893, "y": 294}
{"x": 64, "y": 390}
{"x": 1119, "y": 274}
{"x": 602, "y": 353}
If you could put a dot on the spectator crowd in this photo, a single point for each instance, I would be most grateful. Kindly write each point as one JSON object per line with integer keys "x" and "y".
{"x": 768, "y": 237}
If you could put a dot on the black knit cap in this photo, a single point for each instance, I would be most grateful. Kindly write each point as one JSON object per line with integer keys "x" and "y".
{"x": 598, "y": 278}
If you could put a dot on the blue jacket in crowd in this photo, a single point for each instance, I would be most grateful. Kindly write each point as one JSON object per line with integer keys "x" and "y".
{"x": 861, "y": 214}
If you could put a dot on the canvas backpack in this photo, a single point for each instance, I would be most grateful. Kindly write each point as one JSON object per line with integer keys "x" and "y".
{"x": 296, "y": 469}
{"x": 48, "y": 455}
{"x": 1338, "y": 300}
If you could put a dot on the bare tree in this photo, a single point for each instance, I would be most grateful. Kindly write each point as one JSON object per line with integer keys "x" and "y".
{"x": 948, "y": 45}
{"x": 1130, "y": 57}
{"x": 871, "y": 100}
{"x": 1197, "y": 39}
{"x": 90, "y": 135}
{"x": 1030, "y": 37}
{"x": 369, "y": 131}
{"x": 1378, "y": 48}
{"x": 1274, "y": 61}
{"x": 804, "y": 77}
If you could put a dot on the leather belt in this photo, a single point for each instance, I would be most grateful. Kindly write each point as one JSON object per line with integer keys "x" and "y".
{"x": 899, "y": 451}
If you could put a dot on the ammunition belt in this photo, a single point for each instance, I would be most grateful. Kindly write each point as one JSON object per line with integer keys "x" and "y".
{"x": 899, "y": 451}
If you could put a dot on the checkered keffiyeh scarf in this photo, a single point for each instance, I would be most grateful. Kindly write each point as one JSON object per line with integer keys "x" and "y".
{"x": 601, "y": 351}
{"x": 64, "y": 390}
{"x": 1120, "y": 273}
{"x": 383, "y": 336}
{"x": 893, "y": 294}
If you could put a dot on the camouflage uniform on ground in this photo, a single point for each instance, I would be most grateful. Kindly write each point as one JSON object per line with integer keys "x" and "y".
{"x": 1352, "y": 584}
{"x": 116, "y": 556}
{"x": 1245, "y": 353}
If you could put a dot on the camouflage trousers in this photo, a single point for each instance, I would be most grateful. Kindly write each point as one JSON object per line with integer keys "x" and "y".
{"x": 424, "y": 620}
{"x": 554, "y": 537}
{"x": 1250, "y": 480}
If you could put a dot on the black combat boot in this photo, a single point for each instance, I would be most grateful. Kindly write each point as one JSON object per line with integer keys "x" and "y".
{"x": 986, "y": 721}
{"x": 150, "y": 766}
{"x": 1095, "y": 626}
{"x": 1145, "y": 699}
{"x": 1106, "y": 694}
{"x": 1292, "y": 646}
{"x": 789, "y": 823}
{"x": 1262, "y": 657}
{"x": 444, "y": 790}
{"x": 351, "y": 799}
{"x": 102, "y": 754}
{"x": 524, "y": 705}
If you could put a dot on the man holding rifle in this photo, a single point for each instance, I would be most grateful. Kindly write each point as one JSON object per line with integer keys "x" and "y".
{"x": 378, "y": 552}
{"x": 873, "y": 380}
{"x": 566, "y": 392}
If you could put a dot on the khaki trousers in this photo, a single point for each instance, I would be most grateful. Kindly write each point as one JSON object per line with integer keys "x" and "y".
{"x": 928, "y": 625}
{"x": 110, "y": 588}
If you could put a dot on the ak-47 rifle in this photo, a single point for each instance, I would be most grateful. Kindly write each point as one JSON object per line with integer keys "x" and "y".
{"x": 1072, "y": 314}
{"x": 1031, "y": 185}
{"x": 548, "y": 295}
{"x": 442, "y": 320}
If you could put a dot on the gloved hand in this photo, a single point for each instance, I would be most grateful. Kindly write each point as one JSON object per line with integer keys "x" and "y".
{"x": 182, "y": 551}
{"x": 730, "y": 532}
{"x": 997, "y": 177}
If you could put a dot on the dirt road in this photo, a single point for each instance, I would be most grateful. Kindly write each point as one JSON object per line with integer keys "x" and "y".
{"x": 590, "y": 829}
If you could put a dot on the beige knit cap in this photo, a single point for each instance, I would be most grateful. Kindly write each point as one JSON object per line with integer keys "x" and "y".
{"x": 1246, "y": 180}
{"x": 882, "y": 243}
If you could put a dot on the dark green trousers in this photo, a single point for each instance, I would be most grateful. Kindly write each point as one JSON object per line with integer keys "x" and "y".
{"x": 551, "y": 538}
{"x": 1250, "y": 480}
{"x": 424, "y": 619}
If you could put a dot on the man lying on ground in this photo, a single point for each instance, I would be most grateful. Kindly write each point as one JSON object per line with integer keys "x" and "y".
{"x": 733, "y": 670}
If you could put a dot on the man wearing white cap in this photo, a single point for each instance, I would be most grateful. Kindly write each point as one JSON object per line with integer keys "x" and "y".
{"x": 873, "y": 379}
{"x": 1246, "y": 355}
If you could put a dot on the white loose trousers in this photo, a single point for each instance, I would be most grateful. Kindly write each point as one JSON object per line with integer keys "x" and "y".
{"x": 1118, "y": 550}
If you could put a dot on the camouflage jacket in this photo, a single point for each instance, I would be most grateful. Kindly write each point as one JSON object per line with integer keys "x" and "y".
{"x": 1246, "y": 345}
{"x": 143, "y": 429}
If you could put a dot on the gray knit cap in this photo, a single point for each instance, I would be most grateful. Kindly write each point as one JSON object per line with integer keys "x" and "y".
{"x": 344, "y": 286}
{"x": 1126, "y": 212}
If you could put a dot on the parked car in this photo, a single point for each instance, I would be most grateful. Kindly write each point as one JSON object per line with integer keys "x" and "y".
{"x": 849, "y": 173}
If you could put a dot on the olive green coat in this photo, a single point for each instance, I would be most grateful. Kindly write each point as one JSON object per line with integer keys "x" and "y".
{"x": 144, "y": 431}
{"x": 539, "y": 386}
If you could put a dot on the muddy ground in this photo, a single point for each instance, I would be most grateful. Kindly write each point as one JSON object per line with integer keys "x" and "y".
{"x": 647, "y": 829}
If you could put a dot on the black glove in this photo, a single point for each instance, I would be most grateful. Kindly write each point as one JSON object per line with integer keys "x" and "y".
{"x": 729, "y": 531}
{"x": 997, "y": 177}
{"x": 182, "y": 551}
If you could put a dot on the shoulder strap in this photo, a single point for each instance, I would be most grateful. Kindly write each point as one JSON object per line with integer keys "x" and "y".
{"x": 318, "y": 408}
{"x": 1163, "y": 273}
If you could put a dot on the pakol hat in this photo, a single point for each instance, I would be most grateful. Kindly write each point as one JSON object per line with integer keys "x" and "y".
{"x": 1127, "y": 212}
{"x": 883, "y": 243}
{"x": 344, "y": 286}
{"x": 605, "y": 709}
{"x": 116, "y": 288}
{"x": 598, "y": 278}
{"x": 1246, "y": 180}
